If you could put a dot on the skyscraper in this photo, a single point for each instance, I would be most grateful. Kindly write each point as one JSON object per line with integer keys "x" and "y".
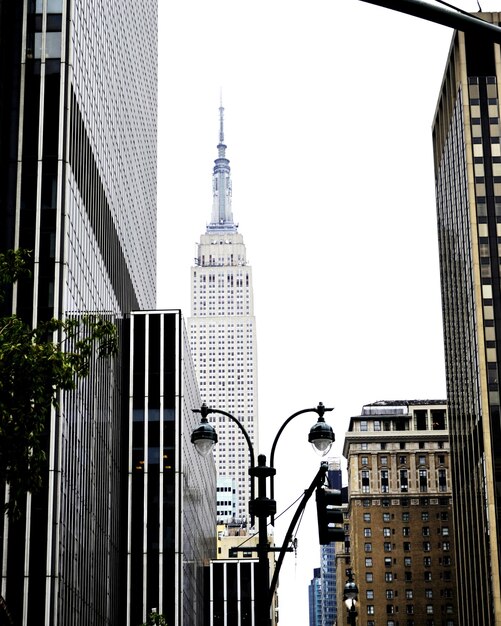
{"x": 467, "y": 155}
{"x": 171, "y": 488}
{"x": 78, "y": 188}
{"x": 222, "y": 330}
{"x": 400, "y": 514}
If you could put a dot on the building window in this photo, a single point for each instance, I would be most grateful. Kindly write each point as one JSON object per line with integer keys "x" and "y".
{"x": 369, "y": 577}
{"x": 442, "y": 480}
{"x": 408, "y": 594}
{"x": 368, "y": 561}
{"x": 369, "y": 594}
{"x": 426, "y": 531}
{"x": 388, "y": 576}
{"x": 368, "y": 547}
{"x": 386, "y": 517}
{"x": 429, "y": 609}
{"x": 408, "y": 561}
{"x": 428, "y": 593}
{"x": 427, "y": 561}
{"x": 407, "y": 546}
{"x": 404, "y": 481}
{"x": 408, "y": 577}
{"x": 365, "y": 481}
{"x": 425, "y": 516}
{"x": 387, "y": 546}
{"x": 365, "y": 460}
{"x": 377, "y": 425}
{"x": 390, "y": 609}
{"x": 383, "y": 460}
{"x": 406, "y": 531}
{"x": 386, "y": 532}
{"x": 423, "y": 480}
{"x": 363, "y": 425}
{"x": 367, "y": 517}
{"x": 387, "y": 561}
{"x": 427, "y": 577}
{"x": 409, "y": 609}
{"x": 370, "y": 609}
{"x": 367, "y": 532}
{"x": 385, "y": 487}
{"x": 389, "y": 594}
{"x": 405, "y": 516}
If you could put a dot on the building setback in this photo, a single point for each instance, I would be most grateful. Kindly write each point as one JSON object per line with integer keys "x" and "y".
{"x": 222, "y": 330}
{"x": 400, "y": 514}
{"x": 77, "y": 188}
{"x": 467, "y": 155}
{"x": 171, "y": 488}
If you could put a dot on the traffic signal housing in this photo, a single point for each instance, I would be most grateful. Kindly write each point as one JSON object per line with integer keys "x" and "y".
{"x": 330, "y": 517}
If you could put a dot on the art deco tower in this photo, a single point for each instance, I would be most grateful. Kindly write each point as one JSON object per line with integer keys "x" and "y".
{"x": 467, "y": 152}
{"x": 222, "y": 332}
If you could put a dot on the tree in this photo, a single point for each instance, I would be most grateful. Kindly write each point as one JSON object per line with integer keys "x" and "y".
{"x": 155, "y": 619}
{"x": 35, "y": 365}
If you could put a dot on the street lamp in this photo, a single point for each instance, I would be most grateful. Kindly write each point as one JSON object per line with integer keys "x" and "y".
{"x": 350, "y": 598}
{"x": 321, "y": 436}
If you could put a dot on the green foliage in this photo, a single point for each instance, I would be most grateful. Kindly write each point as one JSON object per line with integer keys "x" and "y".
{"x": 155, "y": 619}
{"x": 35, "y": 364}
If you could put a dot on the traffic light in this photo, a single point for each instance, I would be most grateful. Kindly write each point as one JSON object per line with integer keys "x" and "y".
{"x": 330, "y": 518}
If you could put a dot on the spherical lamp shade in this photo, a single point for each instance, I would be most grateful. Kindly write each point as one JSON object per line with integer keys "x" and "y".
{"x": 321, "y": 437}
{"x": 204, "y": 437}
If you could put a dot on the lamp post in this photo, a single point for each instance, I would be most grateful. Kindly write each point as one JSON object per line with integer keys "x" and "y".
{"x": 350, "y": 598}
{"x": 321, "y": 436}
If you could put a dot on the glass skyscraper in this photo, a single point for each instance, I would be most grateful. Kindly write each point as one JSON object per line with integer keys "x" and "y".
{"x": 467, "y": 154}
{"x": 78, "y": 188}
{"x": 171, "y": 533}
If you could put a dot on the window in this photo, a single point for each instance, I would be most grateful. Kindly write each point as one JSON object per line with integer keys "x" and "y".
{"x": 386, "y": 532}
{"x": 390, "y": 609}
{"x": 409, "y": 609}
{"x": 388, "y": 576}
{"x": 365, "y": 460}
{"x": 369, "y": 577}
{"x": 383, "y": 460}
{"x": 368, "y": 547}
{"x": 367, "y": 532}
{"x": 368, "y": 561}
{"x": 427, "y": 577}
{"x": 369, "y": 594}
{"x": 402, "y": 460}
{"x": 445, "y": 530}
{"x": 446, "y": 546}
{"x": 365, "y": 481}
{"x": 370, "y": 609}
{"x": 389, "y": 594}
{"x": 429, "y": 609}
{"x": 442, "y": 480}
{"x": 367, "y": 517}
{"x": 404, "y": 481}
{"x": 408, "y": 577}
{"x": 425, "y": 516}
{"x": 377, "y": 425}
{"x": 387, "y": 561}
{"x": 408, "y": 561}
{"x": 426, "y": 546}
{"x": 386, "y": 517}
{"x": 363, "y": 425}
{"x": 385, "y": 486}
{"x": 387, "y": 546}
{"x": 406, "y": 531}
{"x": 407, "y": 546}
{"x": 423, "y": 480}
{"x": 408, "y": 594}
{"x": 405, "y": 516}
{"x": 427, "y": 561}
{"x": 422, "y": 459}
{"x": 426, "y": 531}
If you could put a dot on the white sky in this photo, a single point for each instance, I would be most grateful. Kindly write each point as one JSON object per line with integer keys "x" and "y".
{"x": 328, "y": 113}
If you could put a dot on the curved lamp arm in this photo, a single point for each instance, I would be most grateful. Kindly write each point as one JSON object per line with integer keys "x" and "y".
{"x": 204, "y": 410}
{"x": 319, "y": 410}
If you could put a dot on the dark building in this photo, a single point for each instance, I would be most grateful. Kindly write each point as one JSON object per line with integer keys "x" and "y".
{"x": 171, "y": 488}
{"x": 467, "y": 154}
{"x": 401, "y": 547}
{"x": 315, "y": 599}
{"x": 77, "y": 188}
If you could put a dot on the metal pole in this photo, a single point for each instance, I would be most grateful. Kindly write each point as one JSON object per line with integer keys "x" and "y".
{"x": 439, "y": 15}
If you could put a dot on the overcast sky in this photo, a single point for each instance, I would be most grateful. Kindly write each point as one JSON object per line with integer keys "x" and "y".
{"x": 328, "y": 113}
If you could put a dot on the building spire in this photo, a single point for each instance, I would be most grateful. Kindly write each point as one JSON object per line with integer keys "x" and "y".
{"x": 222, "y": 217}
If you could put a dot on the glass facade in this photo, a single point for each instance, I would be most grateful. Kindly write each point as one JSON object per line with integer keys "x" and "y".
{"x": 78, "y": 188}
{"x": 171, "y": 488}
{"x": 466, "y": 135}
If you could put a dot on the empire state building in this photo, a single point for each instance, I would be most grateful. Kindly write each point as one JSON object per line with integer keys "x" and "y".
{"x": 222, "y": 330}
